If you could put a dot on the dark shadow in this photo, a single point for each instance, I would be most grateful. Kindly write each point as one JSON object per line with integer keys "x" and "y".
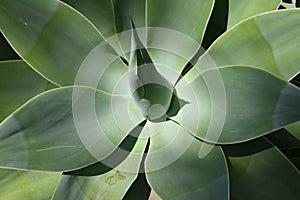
{"x": 115, "y": 158}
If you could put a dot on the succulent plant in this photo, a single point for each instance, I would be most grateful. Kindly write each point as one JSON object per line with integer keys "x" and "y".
{"x": 114, "y": 99}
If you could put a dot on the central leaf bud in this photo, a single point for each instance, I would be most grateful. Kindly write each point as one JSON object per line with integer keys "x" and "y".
{"x": 154, "y": 95}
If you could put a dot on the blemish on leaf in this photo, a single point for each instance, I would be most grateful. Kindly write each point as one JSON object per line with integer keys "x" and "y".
{"x": 23, "y": 21}
{"x": 112, "y": 180}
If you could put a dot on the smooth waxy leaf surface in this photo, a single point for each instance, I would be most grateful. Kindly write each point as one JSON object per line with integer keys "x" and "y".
{"x": 261, "y": 41}
{"x": 110, "y": 185}
{"x": 237, "y": 103}
{"x": 66, "y": 126}
{"x": 242, "y": 9}
{"x": 188, "y": 176}
{"x": 27, "y": 184}
{"x": 18, "y": 84}
{"x": 52, "y": 37}
{"x": 172, "y": 50}
{"x": 260, "y": 163}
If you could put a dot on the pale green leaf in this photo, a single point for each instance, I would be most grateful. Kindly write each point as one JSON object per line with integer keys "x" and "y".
{"x": 31, "y": 185}
{"x": 188, "y": 176}
{"x": 18, "y": 84}
{"x": 52, "y": 37}
{"x": 261, "y": 41}
{"x": 242, "y": 9}
{"x": 75, "y": 126}
{"x": 231, "y": 104}
{"x": 258, "y": 170}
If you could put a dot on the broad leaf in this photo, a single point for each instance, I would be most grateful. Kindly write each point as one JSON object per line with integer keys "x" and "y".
{"x": 242, "y": 9}
{"x": 111, "y": 185}
{"x": 261, "y": 41}
{"x": 18, "y": 84}
{"x": 32, "y": 185}
{"x": 188, "y": 176}
{"x": 178, "y": 38}
{"x": 115, "y": 158}
{"x": 258, "y": 162}
{"x": 52, "y": 37}
{"x": 236, "y": 103}
{"x": 73, "y": 126}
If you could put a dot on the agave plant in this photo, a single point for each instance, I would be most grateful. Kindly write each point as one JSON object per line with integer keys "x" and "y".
{"x": 112, "y": 99}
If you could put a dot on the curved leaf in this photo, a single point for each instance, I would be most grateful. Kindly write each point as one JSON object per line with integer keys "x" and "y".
{"x": 168, "y": 14}
{"x": 115, "y": 158}
{"x": 261, "y": 41}
{"x": 18, "y": 84}
{"x": 50, "y": 36}
{"x": 27, "y": 184}
{"x": 75, "y": 126}
{"x": 236, "y": 104}
{"x": 260, "y": 163}
{"x": 294, "y": 129}
{"x": 166, "y": 45}
{"x": 187, "y": 177}
{"x": 111, "y": 185}
{"x": 100, "y": 13}
{"x": 242, "y": 9}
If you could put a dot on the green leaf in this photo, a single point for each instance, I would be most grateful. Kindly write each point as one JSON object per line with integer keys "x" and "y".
{"x": 178, "y": 38}
{"x": 232, "y": 104}
{"x": 188, "y": 176}
{"x": 100, "y": 13}
{"x": 261, "y": 41}
{"x": 242, "y": 9}
{"x": 111, "y": 185}
{"x": 169, "y": 14}
{"x": 115, "y": 158}
{"x": 27, "y": 184}
{"x": 53, "y": 126}
{"x": 294, "y": 129}
{"x": 52, "y": 37}
{"x": 258, "y": 170}
{"x": 18, "y": 84}
{"x": 148, "y": 86}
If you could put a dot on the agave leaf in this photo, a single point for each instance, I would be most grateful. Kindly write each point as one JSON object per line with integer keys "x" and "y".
{"x": 111, "y": 185}
{"x": 294, "y": 129}
{"x": 261, "y": 41}
{"x": 261, "y": 163}
{"x": 237, "y": 103}
{"x": 100, "y": 13}
{"x": 168, "y": 14}
{"x": 18, "y": 84}
{"x": 115, "y": 158}
{"x": 187, "y": 176}
{"x": 50, "y": 36}
{"x": 33, "y": 185}
{"x": 64, "y": 125}
{"x": 242, "y": 9}
{"x": 170, "y": 49}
